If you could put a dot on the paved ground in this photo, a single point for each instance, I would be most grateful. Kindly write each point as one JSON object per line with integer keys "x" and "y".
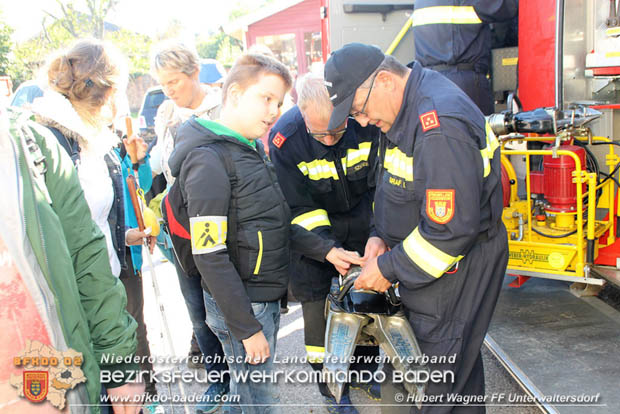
{"x": 296, "y": 398}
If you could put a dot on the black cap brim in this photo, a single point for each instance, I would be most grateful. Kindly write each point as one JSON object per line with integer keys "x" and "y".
{"x": 345, "y": 71}
{"x": 341, "y": 112}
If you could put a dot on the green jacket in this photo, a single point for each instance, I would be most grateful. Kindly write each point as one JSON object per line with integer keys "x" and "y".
{"x": 90, "y": 303}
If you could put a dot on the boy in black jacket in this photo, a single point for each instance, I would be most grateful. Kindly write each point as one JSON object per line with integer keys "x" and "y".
{"x": 239, "y": 224}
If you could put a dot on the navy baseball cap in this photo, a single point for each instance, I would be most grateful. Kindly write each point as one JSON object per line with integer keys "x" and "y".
{"x": 346, "y": 70}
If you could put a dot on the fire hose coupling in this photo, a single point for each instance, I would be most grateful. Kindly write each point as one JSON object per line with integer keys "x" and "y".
{"x": 542, "y": 120}
{"x": 498, "y": 123}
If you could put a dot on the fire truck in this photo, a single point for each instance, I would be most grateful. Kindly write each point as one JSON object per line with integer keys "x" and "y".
{"x": 557, "y": 116}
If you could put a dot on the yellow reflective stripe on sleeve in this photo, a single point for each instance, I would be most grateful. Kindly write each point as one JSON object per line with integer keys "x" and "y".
{"x": 429, "y": 258}
{"x": 259, "y": 259}
{"x": 318, "y": 169}
{"x": 355, "y": 156}
{"x": 398, "y": 164}
{"x": 445, "y": 15}
{"x": 208, "y": 233}
{"x": 612, "y": 31}
{"x": 487, "y": 152}
{"x": 315, "y": 354}
{"x": 312, "y": 219}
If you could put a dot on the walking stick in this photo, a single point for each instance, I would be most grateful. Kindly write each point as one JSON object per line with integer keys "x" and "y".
{"x": 133, "y": 186}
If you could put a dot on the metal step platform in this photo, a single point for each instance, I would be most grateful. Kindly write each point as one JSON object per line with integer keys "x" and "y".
{"x": 558, "y": 346}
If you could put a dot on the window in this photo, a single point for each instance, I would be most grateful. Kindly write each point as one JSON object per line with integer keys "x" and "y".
{"x": 314, "y": 56}
{"x": 283, "y": 47}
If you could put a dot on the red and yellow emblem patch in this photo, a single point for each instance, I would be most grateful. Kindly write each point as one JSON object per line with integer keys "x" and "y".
{"x": 36, "y": 385}
{"x": 429, "y": 120}
{"x": 440, "y": 205}
{"x": 278, "y": 140}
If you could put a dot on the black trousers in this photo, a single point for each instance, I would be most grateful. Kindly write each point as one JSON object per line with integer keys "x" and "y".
{"x": 476, "y": 85}
{"x": 465, "y": 302}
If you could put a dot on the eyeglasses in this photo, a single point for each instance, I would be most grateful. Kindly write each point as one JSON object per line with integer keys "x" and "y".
{"x": 361, "y": 112}
{"x": 320, "y": 135}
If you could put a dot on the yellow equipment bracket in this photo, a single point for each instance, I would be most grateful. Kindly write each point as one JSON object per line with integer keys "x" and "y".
{"x": 399, "y": 37}
{"x": 564, "y": 256}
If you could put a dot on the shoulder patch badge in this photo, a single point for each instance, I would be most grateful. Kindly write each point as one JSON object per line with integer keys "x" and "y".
{"x": 278, "y": 140}
{"x": 440, "y": 205}
{"x": 429, "y": 120}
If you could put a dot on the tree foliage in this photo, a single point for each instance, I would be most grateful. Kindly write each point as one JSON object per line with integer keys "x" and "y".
{"x": 222, "y": 47}
{"x": 77, "y": 19}
{"x": 5, "y": 47}
{"x": 29, "y": 56}
{"x": 74, "y": 19}
{"x": 245, "y": 7}
{"x": 135, "y": 47}
{"x": 173, "y": 30}
{"x": 79, "y": 24}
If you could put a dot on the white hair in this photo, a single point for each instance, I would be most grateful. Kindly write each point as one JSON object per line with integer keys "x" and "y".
{"x": 313, "y": 95}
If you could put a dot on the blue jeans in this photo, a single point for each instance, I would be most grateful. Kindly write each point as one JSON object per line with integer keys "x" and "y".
{"x": 207, "y": 341}
{"x": 254, "y": 397}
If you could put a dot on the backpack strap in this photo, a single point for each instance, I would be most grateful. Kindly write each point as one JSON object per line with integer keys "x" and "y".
{"x": 173, "y": 202}
{"x": 70, "y": 145}
{"x": 231, "y": 238}
{"x": 175, "y": 230}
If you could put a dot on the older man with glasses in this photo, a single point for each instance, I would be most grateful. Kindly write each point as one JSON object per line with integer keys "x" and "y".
{"x": 327, "y": 177}
{"x": 438, "y": 207}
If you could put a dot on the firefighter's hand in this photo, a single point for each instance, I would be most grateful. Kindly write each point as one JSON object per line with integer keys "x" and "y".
{"x": 343, "y": 259}
{"x": 256, "y": 348}
{"x": 136, "y": 147}
{"x": 371, "y": 278}
{"x": 126, "y": 398}
{"x": 375, "y": 246}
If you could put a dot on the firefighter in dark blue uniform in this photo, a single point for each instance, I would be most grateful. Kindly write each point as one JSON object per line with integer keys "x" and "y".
{"x": 438, "y": 206}
{"x": 327, "y": 177}
{"x": 454, "y": 37}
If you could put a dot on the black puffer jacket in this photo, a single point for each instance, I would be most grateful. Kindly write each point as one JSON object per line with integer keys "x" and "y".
{"x": 256, "y": 268}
